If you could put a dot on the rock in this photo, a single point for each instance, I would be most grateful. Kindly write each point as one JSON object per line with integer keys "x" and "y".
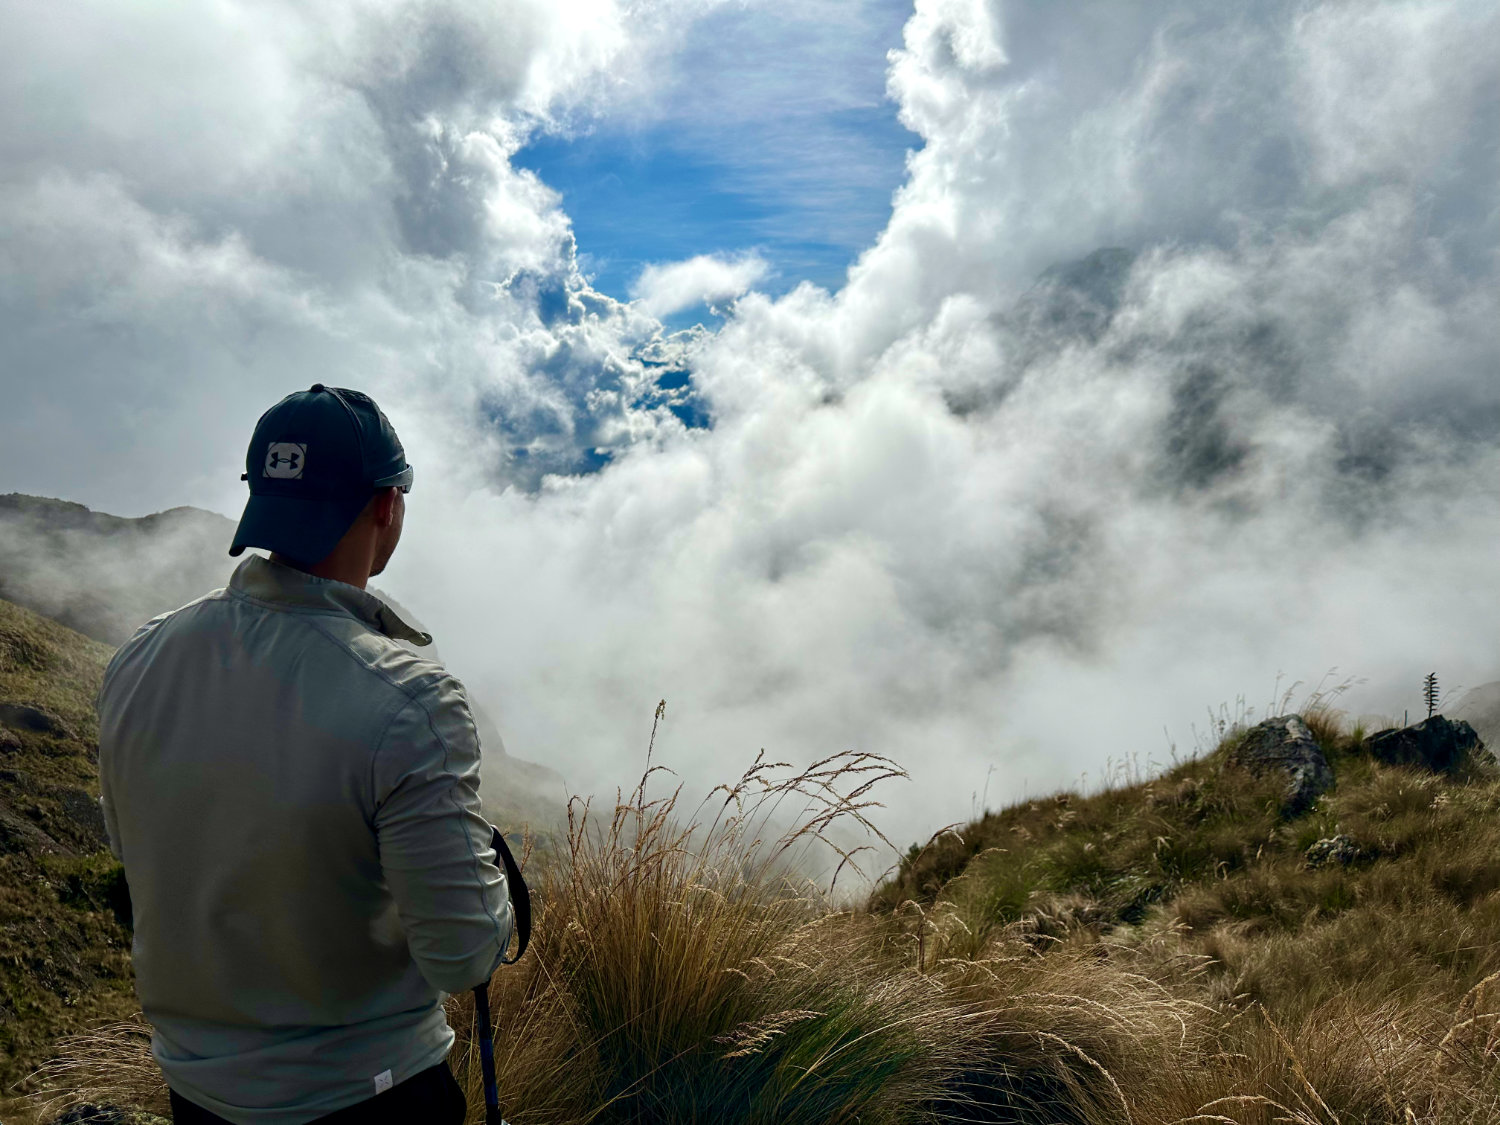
{"x": 18, "y": 834}
{"x": 89, "y": 1114}
{"x": 1285, "y": 744}
{"x": 1480, "y": 708}
{"x": 9, "y": 743}
{"x": 1436, "y": 744}
{"x": 19, "y": 716}
{"x": 86, "y": 815}
{"x": 1333, "y": 849}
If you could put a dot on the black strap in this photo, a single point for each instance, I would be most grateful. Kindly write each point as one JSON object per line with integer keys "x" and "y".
{"x": 520, "y": 897}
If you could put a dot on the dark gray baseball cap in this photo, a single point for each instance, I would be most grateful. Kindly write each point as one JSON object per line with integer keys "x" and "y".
{"x": 314, "y": 461}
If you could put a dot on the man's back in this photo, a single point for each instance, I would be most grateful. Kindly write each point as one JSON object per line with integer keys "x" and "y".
{"x": 294, "y": 797}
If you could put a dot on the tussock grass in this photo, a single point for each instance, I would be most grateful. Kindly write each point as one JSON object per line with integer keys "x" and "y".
{"x": 109, "y": 1065}
{"x": 1158, "y": 953}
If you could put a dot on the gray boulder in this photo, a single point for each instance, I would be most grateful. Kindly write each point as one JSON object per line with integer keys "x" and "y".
{"x": 1285, "y": 745}
{"x": 1437, "y": 743}
{"x": 18, "y": 716}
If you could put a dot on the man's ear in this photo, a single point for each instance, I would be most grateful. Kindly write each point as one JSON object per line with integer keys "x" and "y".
{"x": 383, "y": 507}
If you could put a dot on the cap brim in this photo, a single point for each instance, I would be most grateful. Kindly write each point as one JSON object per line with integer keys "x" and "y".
{"x": 395, "y": 480}
{"x": 303, "y": 528}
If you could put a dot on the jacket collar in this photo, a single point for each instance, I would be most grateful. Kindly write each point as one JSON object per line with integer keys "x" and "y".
{"x": 260, "y": 578}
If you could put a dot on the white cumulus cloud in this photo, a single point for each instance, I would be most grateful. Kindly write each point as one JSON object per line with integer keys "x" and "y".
{"x": 1173, "y": 369}
{"x": 668, "y": 287}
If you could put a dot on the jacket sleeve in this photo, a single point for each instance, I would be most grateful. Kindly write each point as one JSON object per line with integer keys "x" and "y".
{"x": 435, "y": 843}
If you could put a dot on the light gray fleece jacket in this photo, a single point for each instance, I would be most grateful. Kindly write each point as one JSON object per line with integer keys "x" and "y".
{"x": 295, "y": 798}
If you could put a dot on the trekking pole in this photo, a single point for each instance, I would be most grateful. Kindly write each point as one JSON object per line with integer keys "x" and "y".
{"x": 520, "y": 901}
{"x": 487, "y": 1055}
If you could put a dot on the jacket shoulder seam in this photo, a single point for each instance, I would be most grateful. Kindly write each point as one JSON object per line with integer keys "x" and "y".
{"x": 411, "y": 691}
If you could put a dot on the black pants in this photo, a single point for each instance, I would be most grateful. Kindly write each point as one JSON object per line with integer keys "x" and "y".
{"x": 431, "y": 1097}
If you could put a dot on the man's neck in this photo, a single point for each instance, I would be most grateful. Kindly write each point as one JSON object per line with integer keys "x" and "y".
{"x": 339, "y": 567}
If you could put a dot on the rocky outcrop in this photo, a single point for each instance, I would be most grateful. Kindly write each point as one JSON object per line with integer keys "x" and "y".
{"x": 1285, "y": 745}
{"x": 1340, "y": 849}
{"x": 1437, "y": 743}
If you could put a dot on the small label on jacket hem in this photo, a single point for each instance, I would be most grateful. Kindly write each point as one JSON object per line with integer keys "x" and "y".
{"x": 383, "y": 1082}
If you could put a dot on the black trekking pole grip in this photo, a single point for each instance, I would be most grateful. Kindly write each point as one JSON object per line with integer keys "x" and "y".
{"x": 520, "y": 901}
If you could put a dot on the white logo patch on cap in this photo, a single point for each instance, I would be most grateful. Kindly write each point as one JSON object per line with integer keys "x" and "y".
{"x": 285, "y": 459}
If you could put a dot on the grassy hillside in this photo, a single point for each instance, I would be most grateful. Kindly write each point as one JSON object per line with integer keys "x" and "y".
{"x": 64, "y": 946}
{"x": 1203, "y": 857}
{"x": 1175, "y": 951}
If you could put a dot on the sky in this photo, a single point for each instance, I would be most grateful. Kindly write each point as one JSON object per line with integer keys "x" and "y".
{"x": 998, "y": 386}
{"x": 769, "y": 140}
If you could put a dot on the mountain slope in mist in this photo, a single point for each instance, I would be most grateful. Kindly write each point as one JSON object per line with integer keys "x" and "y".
{"x": 106, "y": 575}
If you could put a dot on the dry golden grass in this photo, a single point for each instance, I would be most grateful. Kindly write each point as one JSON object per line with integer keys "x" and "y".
{"x": 1158, "y": 954}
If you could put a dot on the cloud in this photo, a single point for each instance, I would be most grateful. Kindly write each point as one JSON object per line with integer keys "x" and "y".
{"x": 1010, "y": 497}
{"x": 1173, "y": 368}
{"x": 666, "y": 288}
{"x": 257, "y": 200}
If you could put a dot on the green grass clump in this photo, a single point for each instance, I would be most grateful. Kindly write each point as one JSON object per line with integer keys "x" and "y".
{"x": 1121, "y": 851}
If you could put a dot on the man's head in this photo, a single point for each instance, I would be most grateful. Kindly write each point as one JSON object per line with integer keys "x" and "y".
{"x": 327, "y": 482}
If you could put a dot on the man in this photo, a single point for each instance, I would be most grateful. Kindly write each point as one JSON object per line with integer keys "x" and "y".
{"x": 294, "y": 796}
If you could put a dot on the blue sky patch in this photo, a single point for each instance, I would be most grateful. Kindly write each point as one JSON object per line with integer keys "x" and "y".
{"x": 772, "y": 135}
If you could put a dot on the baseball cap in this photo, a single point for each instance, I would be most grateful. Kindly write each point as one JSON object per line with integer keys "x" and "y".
{"x": 315, "y": 459}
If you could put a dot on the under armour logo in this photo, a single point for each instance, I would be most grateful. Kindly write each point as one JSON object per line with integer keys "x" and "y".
{"x": 285, "y": 459}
